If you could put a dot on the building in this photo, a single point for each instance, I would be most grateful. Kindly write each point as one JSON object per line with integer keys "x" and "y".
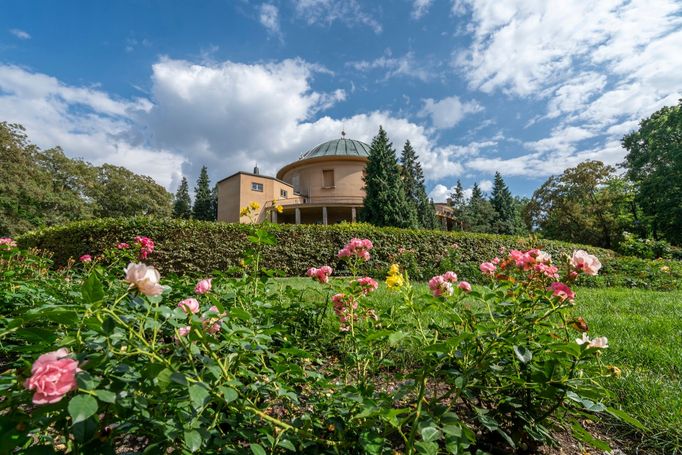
{"x": 324, "y": 186}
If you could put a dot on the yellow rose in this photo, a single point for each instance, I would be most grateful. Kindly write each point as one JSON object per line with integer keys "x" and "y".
{"x": 394, "y": 270}
{"x": 244, "y": 211}
{"x": 279, "y": 208}
{"x": 395, "y": 281}
{"x": 254, "y": 205}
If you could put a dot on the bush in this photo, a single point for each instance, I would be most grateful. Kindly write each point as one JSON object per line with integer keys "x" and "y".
{"x": 195, "y": 247}
{"x": 648, "y": 248}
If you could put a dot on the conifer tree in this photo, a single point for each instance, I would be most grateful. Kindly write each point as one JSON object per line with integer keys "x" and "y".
{"x": 503, "y": 203}
{"x": 182, "y": 207}
{"x": 459, "y": 203}
{"x": 385, "y": 202}
{"x": 413, "y": 182}
{"x": 203, "y": 200}
{"x": 214, "y": 201}
{"x": 479, "y": 213}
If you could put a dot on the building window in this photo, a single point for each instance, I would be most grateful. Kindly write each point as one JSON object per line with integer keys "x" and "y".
{"x": 256, "y": 186}
{"x": 283, "y": 194}
{"x": 328, "y": 178}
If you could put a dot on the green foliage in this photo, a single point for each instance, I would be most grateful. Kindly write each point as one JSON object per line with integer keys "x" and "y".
{"x": 45, "y": 188}
{"x": 203, "y": 198}
{"x": 654, "y": 163}
{"x": 385, "y": 202}
{"x": 479, "y": 214}
{"x": 485, "y": 371}
{"x": 413, "y": 182}
{"x": 648, "y": 248}
{"x": 182, "y": 207}
{"x": 458, "y": 202}
{"x": 586, "y": 204}
{"x": 502, "y": 202}
{"x": 193, "y": 246}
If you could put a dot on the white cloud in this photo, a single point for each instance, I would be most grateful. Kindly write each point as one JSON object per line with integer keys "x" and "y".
{"x": 447, "y": 112}
{"x": 405, "y": 66}
{"x": 485, "y": 185}
{"x": 85, "y": 122}
{"x": 440, "y": 193}
{"x": 326, "y": 12}
{"x": 600, "y": 66}
{"x": 420, "y": 8}
{"x": 21, "y": 34}
{"x": 269, "y": 18}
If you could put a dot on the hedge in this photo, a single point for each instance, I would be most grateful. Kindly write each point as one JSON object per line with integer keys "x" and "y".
{"x": 199, "y": 247}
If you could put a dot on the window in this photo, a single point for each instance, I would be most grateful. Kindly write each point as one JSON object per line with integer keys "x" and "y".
{"x": 283, "y": 193}
{"x": 328, "y": 178}
{"x": 256, "y": 186}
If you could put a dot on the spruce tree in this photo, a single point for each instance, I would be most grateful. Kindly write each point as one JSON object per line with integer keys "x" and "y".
{"x": 458, "y": 202}
{"x": 385, "y": 202}
{"x": 203, "y": 200}
{"x": 479, "y": 213}
{"x": 413, "y": 182}
{"x": 503, "y": 203}
{"x": 214, "y": 201}
{"x": 182, "y": 207}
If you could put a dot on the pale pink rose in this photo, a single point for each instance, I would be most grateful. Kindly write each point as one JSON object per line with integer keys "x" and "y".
{"x": 599, "y": 343}
{"x": 203, "y": 286}
{"x": 464, "y": 286}
{"x": 549, "y": 271}
{"x": 495, "y": 260}
{"x": 321, "y": 274}
{"x": 145, "y": 278}
{"x": 184, "y": 331}
{"x": 312, "y": 271}
{"x": 440, "y": 286}
{"x": 53, "y": 375}
{"x": 356, "y": 247}
{"x": 561, "y": 290}
{"x": 86, "y": 258}
{"x": 367, "y": 284}
{"x": 7, "y": 243}
{"x": 488, "y": 268}
{"x": 189, "y": 306}
{"x": 543, "y": 257}
{"x": 582, "y": 261}
{"x": 450, "y": 276}
{"x": 584, "y": 339}
{"x": 212, "y": 324}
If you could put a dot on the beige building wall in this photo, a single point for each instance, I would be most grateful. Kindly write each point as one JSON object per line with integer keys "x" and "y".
{"x": 307, "y": 178}
{"x": 237, "y": 191}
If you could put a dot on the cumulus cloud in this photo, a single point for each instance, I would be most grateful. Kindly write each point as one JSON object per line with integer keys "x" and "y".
{"x": 326, "y": 12}
{"x": 85, "y": 122}
{"x": 21, "y": 34}
{"x": 599, "y": 66}
{"x": 269, "y": 18}
{"x": 447, "y": 112}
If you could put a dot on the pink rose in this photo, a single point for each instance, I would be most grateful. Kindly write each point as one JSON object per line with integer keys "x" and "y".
{"x": 122, "y": 246}
{"x": 367, "y": 284}
{"x": 53, "y": 375}
{"x": 440, "y": 287}
{"x": 203, "y": 286}
{"x": 212, "y": 324}
{"x": 184, "y": 331}
{"x": 145, "y": 278}
{"x": 146, "y": 246}
{"x": 582, "y": 261}
{"x": 356, "y": 247}
{"x": 7, "y": 243}
{"x": 562, "y": 291}
{"x": 86, "y": 258}
{"x": 450, "y": 276}
{"x": 464, "y": 286}
{"x": 189, "y": 306}
{"x": 321, "y": 274}
{"x": 488, "y": 268}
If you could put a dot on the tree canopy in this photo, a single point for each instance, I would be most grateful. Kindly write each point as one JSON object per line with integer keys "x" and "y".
{"x": 385, "y": 202}
{"x": 203, "y": 208}
{"x": 654, "y": 163}
{"x": 182, "y": 207}
{"x": 415, "y": 191}
{"x": 44, "y": 188}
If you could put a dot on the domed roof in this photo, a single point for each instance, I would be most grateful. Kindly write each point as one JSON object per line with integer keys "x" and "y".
{"x": 338, "y": 147}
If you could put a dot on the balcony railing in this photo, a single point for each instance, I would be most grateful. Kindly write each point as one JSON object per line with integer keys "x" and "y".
{"x": 321, "y": 200}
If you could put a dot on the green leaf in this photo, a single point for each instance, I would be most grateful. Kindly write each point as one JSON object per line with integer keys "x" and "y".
{"x": 92, "y": 290}
{"x": 81, "y": 407}
{"x": 430, "y": 434}
{"x": 583, "y": 435}
{"x": 627, "y": 418}
{"x": 427, "y": 447}
{"x": 193, "y": 440}
{"x": 396, "y": 337}
{"x": 198, "y": 394}
{"x": 228, "y": 393}
{"x": 287, "y": 445}
{"x": 257, "y": 449}
{"x": 524, "y": 355}
{"x": 106, "y": 395}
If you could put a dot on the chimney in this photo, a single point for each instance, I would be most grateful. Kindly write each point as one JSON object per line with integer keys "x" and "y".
{"x": 256, "y": 170}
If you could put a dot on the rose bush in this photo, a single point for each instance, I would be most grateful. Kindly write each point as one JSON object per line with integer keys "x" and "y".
{"x": 115, "y": 356}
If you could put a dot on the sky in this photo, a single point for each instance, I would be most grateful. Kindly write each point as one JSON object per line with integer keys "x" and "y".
{"x": 164, "y": 87}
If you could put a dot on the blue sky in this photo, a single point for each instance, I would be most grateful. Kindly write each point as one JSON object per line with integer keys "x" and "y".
{"x": 528, "y": 88}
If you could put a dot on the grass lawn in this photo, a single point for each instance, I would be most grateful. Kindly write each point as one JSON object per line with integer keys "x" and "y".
{"x": 644, "y": 329}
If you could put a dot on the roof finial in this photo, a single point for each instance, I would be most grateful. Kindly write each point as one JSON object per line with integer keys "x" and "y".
{"x": 343, "y": 133}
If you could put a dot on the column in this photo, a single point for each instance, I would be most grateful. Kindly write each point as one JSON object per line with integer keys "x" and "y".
{"x": 444, "y": 223}
{"x": 274, "y": 216}
{"x": 298, "y": 215}
{"x": 353, "y": 214}
{"x": 324, "y": 215}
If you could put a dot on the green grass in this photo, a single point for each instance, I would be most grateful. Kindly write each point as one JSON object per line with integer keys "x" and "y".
{"x": 644, "y": 329}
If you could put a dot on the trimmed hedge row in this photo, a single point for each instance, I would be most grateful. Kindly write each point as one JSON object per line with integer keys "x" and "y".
{"x": 197, "y": 247}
